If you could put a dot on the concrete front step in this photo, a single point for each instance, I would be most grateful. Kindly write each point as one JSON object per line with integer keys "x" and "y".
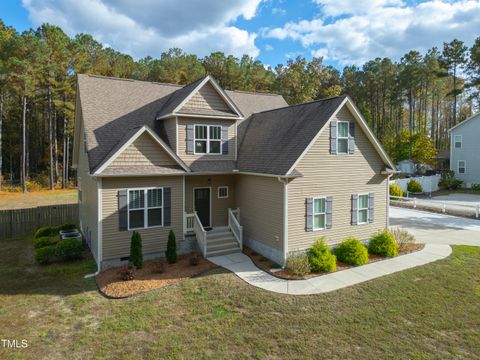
{"x": 222, "y": 252}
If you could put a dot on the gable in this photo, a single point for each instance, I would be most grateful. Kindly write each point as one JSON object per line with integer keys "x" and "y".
{"x": 144, "y": 151}
{"x": 207, "y": 101}
{"x": 364, "y": 162}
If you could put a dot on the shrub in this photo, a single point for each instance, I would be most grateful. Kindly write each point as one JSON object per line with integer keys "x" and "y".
{"x": 449, "y": 182}
{"x": 475, "y": 187}
{"x": 127, "y": 272}
{"x": 66, "y": 226}
{"x": 45, "y": 255}
{"x": 46, "y": 231}
{"x": 321, "y": 258}
{"x": 136, "y": 253}
{"x": 351, "y": 251}
{"x": 161, "y": 266}
{"x": 171, "y": 253}
{"x": 383, "y": 243}
{"x": 396, "y": 190}
{"x": 194, "y": 259}
{"x": 298, "y": 264}
{"x": 45, "y": 241}
{"x": 414, "y": 186}
{"x": 402, "y": 237}
{"x": 68, "y": 249}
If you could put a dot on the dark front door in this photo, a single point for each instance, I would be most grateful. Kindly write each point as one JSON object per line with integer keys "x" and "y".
{"x": 201, "y": 204}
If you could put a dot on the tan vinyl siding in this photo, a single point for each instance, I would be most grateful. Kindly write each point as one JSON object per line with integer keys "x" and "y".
{"x": 261, "y": 209}
{"x": 182, "y": 139}
{"x": 88, "y": 206}
{"x": 339, "y": 176}
{"x": 143, "y": 151}
{"x": 116, "y": 244}
{"x": 219, "y": 207}
{"x": 170, "y": 125}
{"x": 206, "y": 98}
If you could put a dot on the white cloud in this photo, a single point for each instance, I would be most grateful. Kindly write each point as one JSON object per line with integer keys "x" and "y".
{"x": 148, "y": 27}
{"x": 279, "y": 11}
{"x": 268, "y": 47}
{"x": 352, "y": 32}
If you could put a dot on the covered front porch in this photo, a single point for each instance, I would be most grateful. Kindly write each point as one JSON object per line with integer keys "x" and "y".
{"x": 211, "y": 214}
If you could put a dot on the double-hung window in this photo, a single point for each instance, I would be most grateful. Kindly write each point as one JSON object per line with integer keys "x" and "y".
{"x": 319, "y": 214}
{"x": 342, "y": 137}
{"x": 362, "y": 214}
{"x": 208, "y": 139}
{"x": 462, "y": 166}
{"x": 458, "y": 141}
{"x": 145, "y": 208}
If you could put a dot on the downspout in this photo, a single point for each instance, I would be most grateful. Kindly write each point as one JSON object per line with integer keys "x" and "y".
{"x": 99, "y": 230}
{"x": 388, "y": 201}
{"x": 285, "y": 219}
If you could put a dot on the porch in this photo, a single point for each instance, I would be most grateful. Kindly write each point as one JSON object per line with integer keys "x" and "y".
{"x": 217, "y": 241}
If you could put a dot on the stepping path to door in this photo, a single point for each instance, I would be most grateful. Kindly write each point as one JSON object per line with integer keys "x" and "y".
{"x": 244, "y": 268}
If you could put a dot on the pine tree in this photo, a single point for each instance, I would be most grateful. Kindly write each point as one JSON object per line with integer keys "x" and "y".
{"x": 136, "y": 253}
{"x": 171, "y": 253}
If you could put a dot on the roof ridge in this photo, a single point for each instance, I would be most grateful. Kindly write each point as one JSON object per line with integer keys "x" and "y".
{"x": 305, "y": 103}
{"x": 133, "y": 80}
{"x": 255, "y": 92}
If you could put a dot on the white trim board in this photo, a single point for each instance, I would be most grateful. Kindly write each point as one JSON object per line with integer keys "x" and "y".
{"x": 135, "y": 136}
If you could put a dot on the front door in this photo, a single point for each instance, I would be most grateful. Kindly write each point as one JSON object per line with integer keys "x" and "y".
{"x": 201, "y": 204}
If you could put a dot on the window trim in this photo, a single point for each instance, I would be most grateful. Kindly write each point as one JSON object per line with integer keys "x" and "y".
{"x": 342, "y": 137}
{"x": 455, "y": 142}
{"x": 218, "y": 192}
{"x": 324, "y": 213}
{"x": 145, "y": 208}
{"x": 464, "y": 167}
{"x": 207, "y": 139}
{"x": 358, "y": 208}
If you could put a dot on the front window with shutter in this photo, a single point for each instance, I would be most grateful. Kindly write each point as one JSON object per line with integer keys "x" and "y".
{"x": 319, "y": 214}
{"x": 362, "y": 209}
{"x": 145, "y": 208}
{"x": 342, "y": 137}
{"x": 208, "y": 139}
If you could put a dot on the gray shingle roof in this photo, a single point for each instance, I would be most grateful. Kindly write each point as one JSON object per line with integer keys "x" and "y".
{"x": 113, "y": 108}
{"x": 142, "y": 170}
{"x": 273, "y": 140}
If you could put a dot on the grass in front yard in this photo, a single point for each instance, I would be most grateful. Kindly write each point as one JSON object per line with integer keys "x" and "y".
{"x": 37, "y": 198}
{"x": 427, "y": 312}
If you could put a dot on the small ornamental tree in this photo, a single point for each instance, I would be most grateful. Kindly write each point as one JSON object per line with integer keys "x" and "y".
{"x": 171, "y": 253}
{"x": 136, "y": 253}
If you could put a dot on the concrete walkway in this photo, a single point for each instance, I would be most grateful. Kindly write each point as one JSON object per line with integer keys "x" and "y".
{"x": 243, "y": 267}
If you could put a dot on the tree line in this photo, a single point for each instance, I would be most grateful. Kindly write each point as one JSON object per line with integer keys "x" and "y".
{"x": 409, "y": 104}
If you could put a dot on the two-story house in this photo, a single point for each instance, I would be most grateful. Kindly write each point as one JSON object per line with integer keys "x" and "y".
{"x": 222, "y": 169}
{"x": 465, "y": 149}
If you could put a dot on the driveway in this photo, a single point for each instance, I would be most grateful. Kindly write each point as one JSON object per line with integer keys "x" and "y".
{"x": 435, "y": 228}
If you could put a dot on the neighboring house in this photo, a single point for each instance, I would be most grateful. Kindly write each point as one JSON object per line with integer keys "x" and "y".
{"x": 222, "y": 169}
{"x": 465, "y": 150}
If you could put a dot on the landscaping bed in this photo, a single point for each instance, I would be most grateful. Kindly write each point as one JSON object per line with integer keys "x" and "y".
{"x": 111, "y": 284}
{"x": 274, "y": 269}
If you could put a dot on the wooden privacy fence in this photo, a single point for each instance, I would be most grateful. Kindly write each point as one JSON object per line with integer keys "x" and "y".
{"x": 22, "y": 222}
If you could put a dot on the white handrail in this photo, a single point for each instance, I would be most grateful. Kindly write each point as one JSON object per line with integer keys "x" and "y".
{"x": 200, "y": 233}
{"x": 235, "y": 227}
{"x": 188, "y": 223}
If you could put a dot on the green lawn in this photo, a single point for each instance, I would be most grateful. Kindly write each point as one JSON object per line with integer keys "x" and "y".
{"x": 428, "y": 312}
{"x": 37, "y": 198}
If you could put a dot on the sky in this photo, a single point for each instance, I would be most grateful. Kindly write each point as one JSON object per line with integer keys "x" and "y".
{"x": 343, "y": 32}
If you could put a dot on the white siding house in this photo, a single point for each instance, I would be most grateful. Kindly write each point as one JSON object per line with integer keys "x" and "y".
{"x": 465, "y": 150}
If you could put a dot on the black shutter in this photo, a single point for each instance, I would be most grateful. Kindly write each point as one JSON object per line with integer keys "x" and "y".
{"x": 122, "y": 210}
{"x": 167, "y": 206}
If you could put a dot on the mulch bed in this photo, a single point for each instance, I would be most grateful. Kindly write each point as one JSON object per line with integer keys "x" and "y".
{"x": 148, "y": 278}
{"x": 267, "y": 265}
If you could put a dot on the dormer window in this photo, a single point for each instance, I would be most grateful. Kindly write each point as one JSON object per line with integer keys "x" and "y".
{"x": 208, "y": 139}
